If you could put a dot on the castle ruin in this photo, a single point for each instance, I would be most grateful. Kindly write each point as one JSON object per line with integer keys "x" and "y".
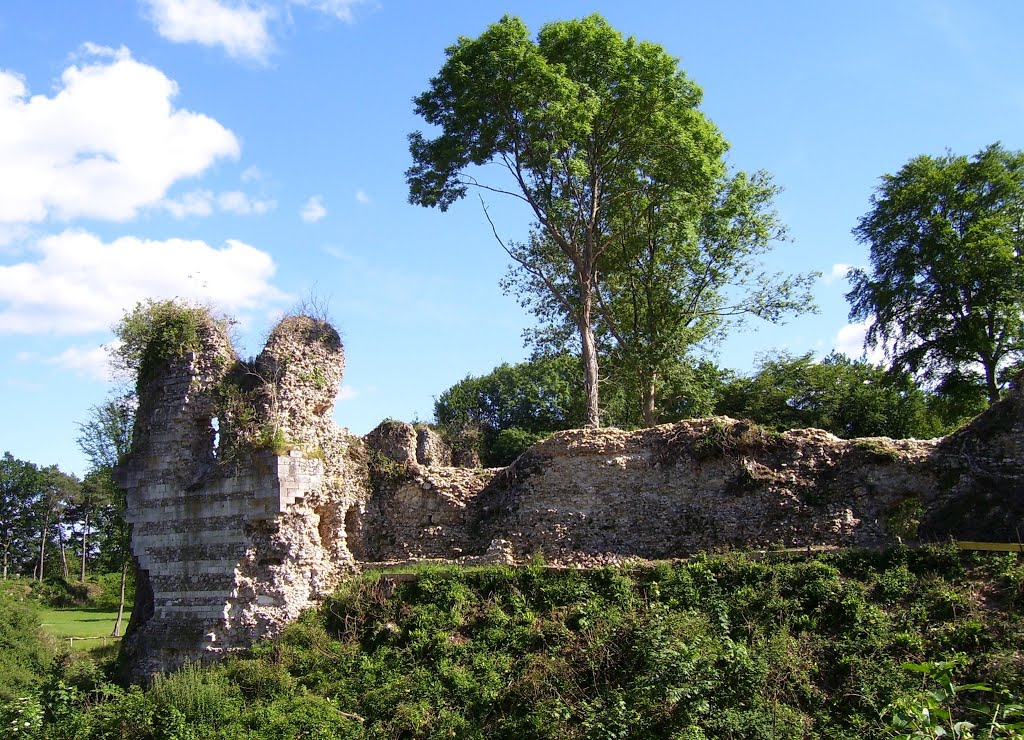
{"x": 248, "y": 504}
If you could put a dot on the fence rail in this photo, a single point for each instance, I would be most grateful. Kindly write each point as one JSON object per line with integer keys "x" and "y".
{"x": 71, "y": 640}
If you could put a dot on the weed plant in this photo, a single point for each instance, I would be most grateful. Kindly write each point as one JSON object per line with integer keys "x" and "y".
{"x": 727, "y": 646}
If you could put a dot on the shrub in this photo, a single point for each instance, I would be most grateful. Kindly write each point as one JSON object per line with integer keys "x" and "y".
{"x": 201, "y": 696}
{"x": 155, "y": 332}
{"x": 510, "y": 444}
{"x": 25, "y": 653}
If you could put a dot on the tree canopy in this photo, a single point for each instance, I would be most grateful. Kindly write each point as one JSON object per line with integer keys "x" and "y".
{"x": 578, "y": 120}
{"x": 946, "y": 287}
{"x": 850, "y": 398}
{"x": 513, "y": 406}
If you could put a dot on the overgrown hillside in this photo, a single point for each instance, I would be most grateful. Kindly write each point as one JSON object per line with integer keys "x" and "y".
{"x": 719, "y": 647}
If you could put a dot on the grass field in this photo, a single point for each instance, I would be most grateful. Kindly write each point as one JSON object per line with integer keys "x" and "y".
{"x": 70, "y": 626}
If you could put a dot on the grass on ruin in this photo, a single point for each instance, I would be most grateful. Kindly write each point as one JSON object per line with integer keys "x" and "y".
{"x": 717, "y": 647}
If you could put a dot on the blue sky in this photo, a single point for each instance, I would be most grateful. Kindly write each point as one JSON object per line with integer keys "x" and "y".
{"x": 252, "y": 154}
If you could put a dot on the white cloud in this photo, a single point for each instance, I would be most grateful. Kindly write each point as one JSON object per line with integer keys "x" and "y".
{"x": 241, "y": 27}
{"x": 81, "y": 284}
{"x": 96, "y": 50}
{"x": 314, "y": 210}
{"x": 238, "y": 27}
{"x": 340, "y": 9}
{"x": 235, "y": 201}
{"x": 347, "y": 393}
{"x": 89, "y": 362}
{"x": 838, "y": 272}
{"x": 362, "y": 197}
{"x": 107, "y": 143}
{"x": 202, "y": 202}
{"x": 195, "y": 203}
{"x": 251, "y": 174}
{"x": 11, "y": 234}
{"x": 850, "y": 341}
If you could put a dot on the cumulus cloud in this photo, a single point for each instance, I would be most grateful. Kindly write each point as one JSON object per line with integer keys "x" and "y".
{"x": 251, "y": 174}
{"x": 235, "y": 201}
{"x": 340, "y": 9}
{"x": 838, "y": 272}
{"x": 203, "y": 203}
{"x": 240, "y": 27}
{"x": 850, "y": 341}
{"x": 362, "y": 197}
{"x": 107, "y": 143}
{"x": 89, "y": 362}
{"x": 314, "y": 210}
{"x": 195, "y": 203}
{"x": 80, "y": 284}
{"x": 236, "y": 26}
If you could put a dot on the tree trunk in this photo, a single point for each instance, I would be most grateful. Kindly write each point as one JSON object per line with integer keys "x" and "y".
{"x": 42, "y": 548}
{"x": 650, "y": 398}
{"x": 990, "y": 383}
{"x": 120, "y": 605}
{"x": 590, "y": 369}
{"x": 7, "y": 548}
{"x": 63, "y": 550}
{"x": 85, "y": 535}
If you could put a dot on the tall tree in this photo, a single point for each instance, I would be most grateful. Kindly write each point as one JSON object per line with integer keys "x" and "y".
{"x": 19, "y": 489}
{"x": 576, "y": 119}
{"x": 56, "y": 490}
{"x": 946, "y": 287}
{"x": 677, "y": 273}
{"x": 104, "y": 438}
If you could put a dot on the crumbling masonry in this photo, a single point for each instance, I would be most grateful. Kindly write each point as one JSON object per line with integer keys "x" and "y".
{"x": 248, "y": 504}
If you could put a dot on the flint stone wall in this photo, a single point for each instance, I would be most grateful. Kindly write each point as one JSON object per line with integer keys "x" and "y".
{"x": 592, "y": 496}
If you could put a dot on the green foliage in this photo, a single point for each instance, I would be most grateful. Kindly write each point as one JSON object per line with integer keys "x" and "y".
{"x": 22, "y": 717}
{"x": 156, "y": 332}
{"x": 20, "y": 496}
{"x": 599, "y": 133}
{"x": 315, "y": 377}
{"x": 385, "y": 474}
{"x": 535, "y": 398}
{"x": 937, "y": 710}
{"x": 947, "y": 266}
{"x": 24, "y": 653}
{"x": 273, "y": 438}
{"x": 722, "y": 439}
{"x": 510, "y": 444}
{"x": 905, "y": 518}
{"x": 56, "y": 592}
{"x": 201, "y": 698}
{"x": 850, "y": 398}
{"x": 716, "y": 647}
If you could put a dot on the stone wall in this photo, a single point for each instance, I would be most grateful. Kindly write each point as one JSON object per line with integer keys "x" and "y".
{"x": 599, "y": 496}
{"x": 248, "y": 504}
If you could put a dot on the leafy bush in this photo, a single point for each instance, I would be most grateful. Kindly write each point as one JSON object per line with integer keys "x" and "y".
{"x": 510, "y": 444}
{"x": 201, "y": 698}
{"x": 938, "y": 710}
{"x": 154, "y": 332}
{"x": 719, "y": 646}
{"x": 25, "y": 654}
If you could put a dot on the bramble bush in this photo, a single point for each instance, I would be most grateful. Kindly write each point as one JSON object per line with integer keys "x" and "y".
{"x": 717, "y": 647}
